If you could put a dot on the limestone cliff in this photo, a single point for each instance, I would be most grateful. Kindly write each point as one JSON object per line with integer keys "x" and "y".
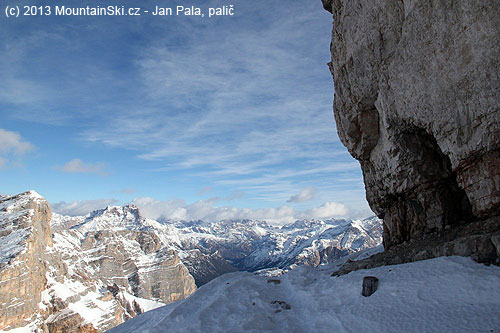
{"x": 24, "y": 235}
{"x": 417, "y": 103}
{"x": 82, "y": 275}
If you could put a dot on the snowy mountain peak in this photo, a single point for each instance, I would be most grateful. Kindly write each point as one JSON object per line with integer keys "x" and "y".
{"x": 10, "y": 202}
{"x": 113, "y": 263}
{"x": 301, "y": 224}
{"x": 33, "y": 194}
{"x": 113, "y": 218}
{"x": 28, "y": 194}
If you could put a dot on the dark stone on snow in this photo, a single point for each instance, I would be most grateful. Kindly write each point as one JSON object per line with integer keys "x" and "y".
{"x": 370, "y": 285}
{"x": 275, "y": 281}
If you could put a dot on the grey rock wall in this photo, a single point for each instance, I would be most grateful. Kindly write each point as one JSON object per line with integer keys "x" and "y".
{"x": 24, "y": 225}
{"x": 68, "y": 280}
{"x": 417, "y": 102}
{"x": 137, "y": 261}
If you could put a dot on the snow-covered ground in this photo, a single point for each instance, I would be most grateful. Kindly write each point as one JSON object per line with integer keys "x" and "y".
{"x": 447, "y": 294}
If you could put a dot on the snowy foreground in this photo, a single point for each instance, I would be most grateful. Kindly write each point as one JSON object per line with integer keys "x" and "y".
{"x": 448, "y": 294}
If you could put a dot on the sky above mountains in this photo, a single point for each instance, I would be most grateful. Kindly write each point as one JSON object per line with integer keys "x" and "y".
{"x": 188, "y": 117}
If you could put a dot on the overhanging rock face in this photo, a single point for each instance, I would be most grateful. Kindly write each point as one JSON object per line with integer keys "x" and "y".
{"x": 417, "y": 102}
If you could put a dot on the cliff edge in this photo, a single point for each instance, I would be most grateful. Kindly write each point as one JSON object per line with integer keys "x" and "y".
{"x": 81, "y": 274}
{"x": 417, "y": 103}
{"x": 24, "y": 235}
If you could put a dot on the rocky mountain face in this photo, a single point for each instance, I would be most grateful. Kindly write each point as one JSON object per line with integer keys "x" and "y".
{"x": 117, "y": 245}
{"x": 24, "y": 235}
{"x": 255, "y": 245}
{"x": 312, "y": 243}
{"x": 91, "y": 273}
{"x": 85, "y": 274}
{"x": 212, "y": 249}
{"x": 417, "y": 103}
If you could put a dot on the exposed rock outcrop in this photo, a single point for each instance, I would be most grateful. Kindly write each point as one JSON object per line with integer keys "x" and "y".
{"x": 417, "y": 103}
{"x": 205, "y": 267}
{"x": 135, "y": 261}
{"x": 93, "y": 272}
{"x": 320, "y": 242}
{"x": 24, "y": 235}
{"x": 88, "y": 274}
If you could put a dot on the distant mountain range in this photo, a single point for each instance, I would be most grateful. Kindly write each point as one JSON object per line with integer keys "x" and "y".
{"x": 93, "y": 272}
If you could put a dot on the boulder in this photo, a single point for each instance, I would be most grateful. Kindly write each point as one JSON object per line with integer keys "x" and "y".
{"x": 370, "y": 285}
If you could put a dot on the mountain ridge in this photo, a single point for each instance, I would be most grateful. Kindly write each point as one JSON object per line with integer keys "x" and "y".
{"x": 104, "y": 268}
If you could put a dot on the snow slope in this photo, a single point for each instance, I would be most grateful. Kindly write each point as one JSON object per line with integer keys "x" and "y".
{"x": 447, "y": 294}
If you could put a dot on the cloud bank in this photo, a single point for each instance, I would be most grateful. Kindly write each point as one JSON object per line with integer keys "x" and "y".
{"x": 206, "y": 210}
{"x": 80, "y": 208}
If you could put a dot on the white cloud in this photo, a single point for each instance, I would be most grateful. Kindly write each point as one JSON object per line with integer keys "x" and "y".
{"x": 78, "y": 166}
{"x": 128, "y": 191}
{"x": 328, "y": 209}
{"x": 79, "y": 208}
{"x": 172, "y": 209}
{"x": 305, "y": 195}
{"x": 12, "y": 143}
{"x": 207, "y": 211}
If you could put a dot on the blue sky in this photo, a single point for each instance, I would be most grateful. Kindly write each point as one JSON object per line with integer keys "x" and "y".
{"x": 188, "y": 117}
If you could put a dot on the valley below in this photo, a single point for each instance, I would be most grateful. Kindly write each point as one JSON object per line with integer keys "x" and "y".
{"x": 91, "y": 273}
